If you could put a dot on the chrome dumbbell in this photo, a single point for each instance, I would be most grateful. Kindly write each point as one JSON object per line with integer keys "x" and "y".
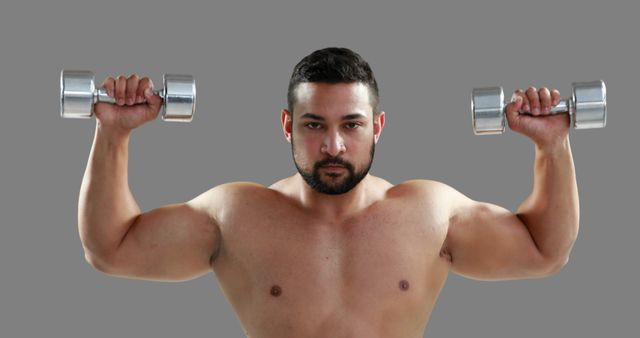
{"x": 587, "y": 107}
{"x": 78, "y": 94}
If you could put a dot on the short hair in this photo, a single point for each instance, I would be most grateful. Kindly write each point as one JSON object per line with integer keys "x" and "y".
{"x": 333, "y": 65}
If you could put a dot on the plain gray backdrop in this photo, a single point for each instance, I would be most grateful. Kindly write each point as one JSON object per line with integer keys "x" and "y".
{"x": 426, "y": 56}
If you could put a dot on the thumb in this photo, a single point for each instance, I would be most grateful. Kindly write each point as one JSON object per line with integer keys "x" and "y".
{"x": 512, "y": 110}
{"x": 154, "y": 101}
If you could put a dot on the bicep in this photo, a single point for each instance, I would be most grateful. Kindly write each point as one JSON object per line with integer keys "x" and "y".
{"x": 172, "y": 243}
{"x": 488, "y": 242}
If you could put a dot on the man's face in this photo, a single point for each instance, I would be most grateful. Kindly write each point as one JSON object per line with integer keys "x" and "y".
{"x": 333, "y": 135}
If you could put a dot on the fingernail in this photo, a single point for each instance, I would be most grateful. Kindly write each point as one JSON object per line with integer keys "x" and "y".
{"x": 536, "y": 110}
{"x": 147, "y": 92}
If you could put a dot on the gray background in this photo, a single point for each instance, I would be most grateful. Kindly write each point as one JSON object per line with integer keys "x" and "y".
{"x": 426, "y": 57}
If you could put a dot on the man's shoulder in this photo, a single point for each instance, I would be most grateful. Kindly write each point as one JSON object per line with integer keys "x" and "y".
{"x": 226, "y": 199}
{"x": 421, "y": 187}
{"x": 239, "y": 189}
{"x": 434, "y": 193}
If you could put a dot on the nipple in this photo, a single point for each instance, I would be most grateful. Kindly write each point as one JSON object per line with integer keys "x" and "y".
{"x": 276, "y": 291}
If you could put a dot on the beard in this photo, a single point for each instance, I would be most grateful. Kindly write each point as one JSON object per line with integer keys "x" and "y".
{"x": 335, "y": 184}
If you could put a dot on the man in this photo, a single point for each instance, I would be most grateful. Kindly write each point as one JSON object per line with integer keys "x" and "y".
{"x": 331, "y": 251}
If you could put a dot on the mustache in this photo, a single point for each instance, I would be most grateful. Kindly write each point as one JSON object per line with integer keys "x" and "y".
{"x": 333, "y": 162}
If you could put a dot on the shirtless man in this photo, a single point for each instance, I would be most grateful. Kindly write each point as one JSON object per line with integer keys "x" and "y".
{"x": 331, "y": 251}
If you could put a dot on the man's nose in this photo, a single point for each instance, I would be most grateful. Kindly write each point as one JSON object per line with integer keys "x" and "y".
{"x": 333, "y": 145}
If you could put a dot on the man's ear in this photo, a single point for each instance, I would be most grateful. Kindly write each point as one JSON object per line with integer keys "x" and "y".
{"x": 378, "y": 124}
{"x": 287, "y": 123}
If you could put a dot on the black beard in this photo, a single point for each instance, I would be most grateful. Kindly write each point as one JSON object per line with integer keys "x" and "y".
{"x": 314, "y": 180}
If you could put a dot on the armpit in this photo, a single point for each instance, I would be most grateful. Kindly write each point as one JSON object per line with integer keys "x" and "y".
{"x": 445, "y": 254}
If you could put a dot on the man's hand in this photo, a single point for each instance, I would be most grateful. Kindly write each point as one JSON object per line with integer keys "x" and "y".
{"x": 135, "y": 104}
{"x": 535, "y": 121}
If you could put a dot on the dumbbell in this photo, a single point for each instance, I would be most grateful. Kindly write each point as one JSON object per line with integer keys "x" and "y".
{"x": 78, "y": 94}
{"x": 587, "y": 107}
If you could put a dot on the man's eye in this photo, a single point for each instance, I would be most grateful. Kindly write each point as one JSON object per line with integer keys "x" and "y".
{"x": 312, "y": 125}
{"x": 352, "y": 125}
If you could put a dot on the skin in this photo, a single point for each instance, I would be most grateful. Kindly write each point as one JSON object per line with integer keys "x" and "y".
{"x": 368, "y": 259}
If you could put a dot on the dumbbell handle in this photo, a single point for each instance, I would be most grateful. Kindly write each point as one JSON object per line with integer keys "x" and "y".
{"x": 564, "y": 106}
{"x": 101, "y": 95}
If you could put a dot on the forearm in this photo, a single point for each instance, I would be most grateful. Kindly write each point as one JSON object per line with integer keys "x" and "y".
{"x": 552, "y": 211}
{"x": 106, "y": 207}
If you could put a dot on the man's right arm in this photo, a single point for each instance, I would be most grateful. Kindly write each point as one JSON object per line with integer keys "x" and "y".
{"x": 171, "y": 243}
{"x": 106, "y": 206}
{"x": 175, "y": 242}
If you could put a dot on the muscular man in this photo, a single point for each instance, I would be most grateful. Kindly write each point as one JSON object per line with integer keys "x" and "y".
{"x": 331, "y": 251}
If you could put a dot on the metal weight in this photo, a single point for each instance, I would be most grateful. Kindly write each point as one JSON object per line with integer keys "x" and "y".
{"x": 587, "y": 107}
{"x": 78, "y": 94}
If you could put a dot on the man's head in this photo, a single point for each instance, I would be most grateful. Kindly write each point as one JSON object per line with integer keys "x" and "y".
{"x": 332, "y": 118}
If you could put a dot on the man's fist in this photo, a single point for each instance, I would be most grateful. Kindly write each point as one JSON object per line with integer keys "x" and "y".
{"x": 529, "y": 113}
{"x": 135, "y": 104}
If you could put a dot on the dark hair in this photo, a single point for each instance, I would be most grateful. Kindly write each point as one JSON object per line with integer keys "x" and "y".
{"x": 333, "y": 65}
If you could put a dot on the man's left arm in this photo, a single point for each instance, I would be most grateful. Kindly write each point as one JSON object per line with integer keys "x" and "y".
{"x": 487, "y": 242}
{"x": 551, "y": 212}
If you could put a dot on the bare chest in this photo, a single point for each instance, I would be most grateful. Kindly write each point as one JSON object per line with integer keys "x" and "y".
{"x": 278, "y": 266}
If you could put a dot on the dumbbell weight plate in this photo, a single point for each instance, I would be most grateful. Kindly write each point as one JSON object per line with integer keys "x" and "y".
{"x": 179, "y": 98}
{"x": 487, "y": 107}
{"x": 590, "y": 109}
{"x": 77, "y": 88}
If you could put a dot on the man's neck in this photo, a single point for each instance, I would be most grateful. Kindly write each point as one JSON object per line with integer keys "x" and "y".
{"x": 335, "y": 207}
